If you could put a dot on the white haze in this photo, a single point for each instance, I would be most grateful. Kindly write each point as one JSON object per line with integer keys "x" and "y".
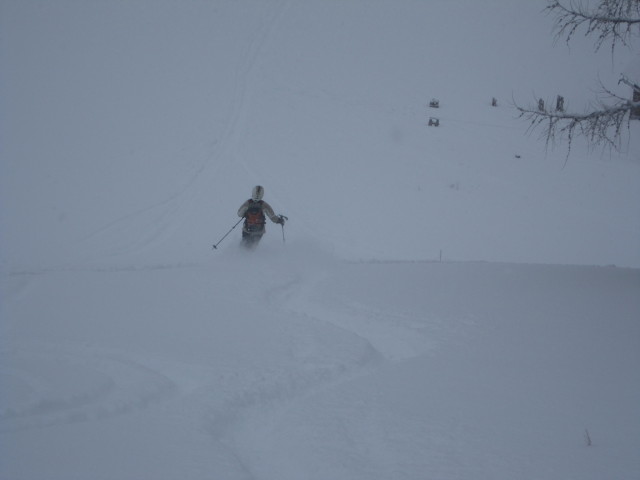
{"x": 452, "y": 302}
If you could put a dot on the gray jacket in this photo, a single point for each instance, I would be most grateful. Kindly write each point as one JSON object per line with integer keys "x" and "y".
{"x": 266, "y": 209}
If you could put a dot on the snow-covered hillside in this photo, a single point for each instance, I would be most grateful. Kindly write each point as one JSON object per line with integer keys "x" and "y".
{"x": 451, "y": 302}
{"x": 134, "y": 131}
{"x": 296, "y": 365}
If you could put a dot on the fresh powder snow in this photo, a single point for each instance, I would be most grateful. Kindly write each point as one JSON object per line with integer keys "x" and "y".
{"x": 446, "y": 302}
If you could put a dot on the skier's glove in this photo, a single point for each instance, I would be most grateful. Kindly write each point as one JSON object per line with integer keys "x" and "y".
{"x": 281, "y": 219}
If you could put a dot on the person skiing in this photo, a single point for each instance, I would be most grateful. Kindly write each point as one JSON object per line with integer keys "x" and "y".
{"x": 253, "y": 211}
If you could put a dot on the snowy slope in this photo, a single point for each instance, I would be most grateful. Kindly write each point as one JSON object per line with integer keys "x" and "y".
{"x": 129, "y": 349}
{"x": 300, "y": 366}
{"x": 135, "y": 132}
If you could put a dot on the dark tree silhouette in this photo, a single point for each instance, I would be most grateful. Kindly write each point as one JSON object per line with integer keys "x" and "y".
{"x": 615, "y": 21}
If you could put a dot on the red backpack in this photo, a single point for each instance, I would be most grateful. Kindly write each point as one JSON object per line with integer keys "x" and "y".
{"x": 254, "y": 215}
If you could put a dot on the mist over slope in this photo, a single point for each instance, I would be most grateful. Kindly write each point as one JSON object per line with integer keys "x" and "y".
{"x": 342, "y": 348}
{"x": 136, "y": 130}
{"x": 298, "y": 365}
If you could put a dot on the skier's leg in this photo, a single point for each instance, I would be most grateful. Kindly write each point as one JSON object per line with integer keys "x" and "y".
{"x": 250, "y": 240}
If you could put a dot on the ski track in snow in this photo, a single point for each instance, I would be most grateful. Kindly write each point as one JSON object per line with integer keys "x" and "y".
{"x": 162, "y": 217}
{"x": 247, "y": 421}
{"x": 266, "y": 393}
{"x": 291, "y": 363}
{"x": 324, "y": 348}
{"x": 58, "y": 384}
{"x": 51, "y": 385}
{"x": 54, "y": 385}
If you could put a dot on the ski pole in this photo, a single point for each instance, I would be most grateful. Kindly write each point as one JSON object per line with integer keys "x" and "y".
{"x": 225, "y": 235}
{"x": 284, "y": 219}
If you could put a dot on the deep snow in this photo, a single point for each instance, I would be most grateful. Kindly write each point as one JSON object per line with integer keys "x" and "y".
{"x": 300, "y": 366}
{"x": 130, "y": 134}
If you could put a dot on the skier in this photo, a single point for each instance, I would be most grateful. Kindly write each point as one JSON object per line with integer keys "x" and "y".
{"x": 253, "y": 211}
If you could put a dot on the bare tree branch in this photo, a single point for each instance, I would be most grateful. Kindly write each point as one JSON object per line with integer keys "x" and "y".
{"x": 603, "y": 123}
{"x": 602, "y": 126}
{"x": 613, "y": 20}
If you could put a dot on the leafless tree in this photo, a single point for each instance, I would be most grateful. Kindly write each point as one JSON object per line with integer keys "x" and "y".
{"x": 615, "y": 21}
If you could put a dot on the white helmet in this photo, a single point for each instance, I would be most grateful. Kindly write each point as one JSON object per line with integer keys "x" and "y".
{"x": 257, "y": 193}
